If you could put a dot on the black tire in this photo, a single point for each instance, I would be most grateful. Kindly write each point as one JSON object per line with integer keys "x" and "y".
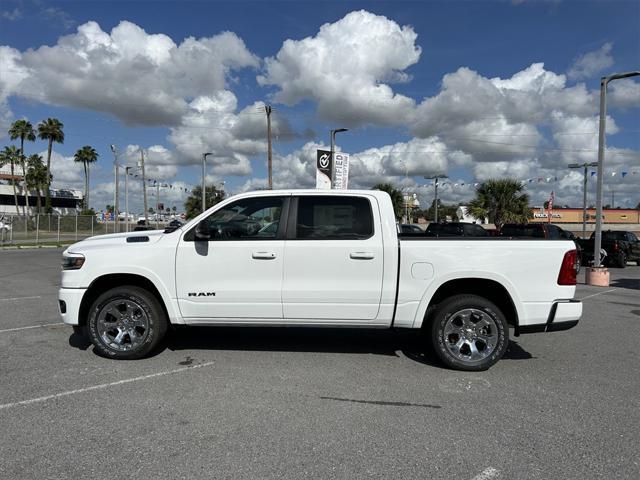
{"x": 80, "y": 330}
{"x": 622, "y": 260}
{"x": 487, "y": 332}
{"x": 133, "y": 337}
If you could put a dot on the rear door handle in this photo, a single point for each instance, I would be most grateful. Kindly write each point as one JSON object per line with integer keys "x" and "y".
{"x": 263, "y": 255}
{"x": 362, "y": 255}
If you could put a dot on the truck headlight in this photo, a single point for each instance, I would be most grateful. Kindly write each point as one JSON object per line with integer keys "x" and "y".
{"x": 73, "y": 262}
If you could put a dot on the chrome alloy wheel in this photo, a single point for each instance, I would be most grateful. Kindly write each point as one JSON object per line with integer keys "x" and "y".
{"x": 123, "y": 325}
{"x": 470, "y": 335}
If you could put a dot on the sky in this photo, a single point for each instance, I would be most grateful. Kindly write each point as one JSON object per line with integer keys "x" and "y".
{"x": 472, "y": 90}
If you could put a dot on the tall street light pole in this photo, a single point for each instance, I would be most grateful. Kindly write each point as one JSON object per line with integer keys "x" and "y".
{"x": 584, "y": 165}
{"x": 204, "y": 168}
{"x": 333, "y": 148}
{"x": 267, "y": 109}
{"x": 601, "y": 145}
{"x": 144, "y": 189}
{"x": 126, "y": 198}
{"x": 115, "y": 194}
{"x": 435, "y": 178}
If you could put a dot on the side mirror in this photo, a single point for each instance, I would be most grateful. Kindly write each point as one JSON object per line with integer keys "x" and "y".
{"x": 202, "y": 231}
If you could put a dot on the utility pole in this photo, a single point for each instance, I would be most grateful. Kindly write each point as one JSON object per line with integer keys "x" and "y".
{"x": 144, "y": 188}
{"x": 267, "y": 109}
{"x": 435, "y": 178}
{"x": 115, "y": 195}
{"x": 126, "y": 198}
{"x": 157, "y": 203}
{"x": 585, "y": 166}
{"x": 604, "y": 81}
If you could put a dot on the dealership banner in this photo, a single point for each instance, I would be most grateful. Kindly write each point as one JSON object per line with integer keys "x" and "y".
{"x": 341, "y": 171}
{"x": 323, "y": 170}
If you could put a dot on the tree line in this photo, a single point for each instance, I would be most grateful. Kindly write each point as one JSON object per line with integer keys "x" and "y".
{"x": 500, "y": 201}
{"x": 36, "y": 174}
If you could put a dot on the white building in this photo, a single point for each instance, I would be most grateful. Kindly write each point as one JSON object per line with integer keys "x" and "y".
{"x": 464, "y": 216}
{"x": 63, "y": 201}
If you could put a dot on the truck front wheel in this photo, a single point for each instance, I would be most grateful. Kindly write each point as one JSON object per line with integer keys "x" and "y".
{"x": 468, "y": 332}
{"x": 126, "y": 323}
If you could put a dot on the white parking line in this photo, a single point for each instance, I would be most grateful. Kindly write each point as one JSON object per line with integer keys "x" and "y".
{"x": 487, "y": 474}
{"x": 101, "y": 386}
{"x": 18, "y": 298}
{"x": 32, "y": 326}
{"x": 599, "y": 293}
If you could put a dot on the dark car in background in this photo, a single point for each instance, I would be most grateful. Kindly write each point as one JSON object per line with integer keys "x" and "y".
{"x": 620, "y": 247}
{"x": 455, "y": 229}
{"x": 547, "y": 231}
{"x": 411, "y": 229}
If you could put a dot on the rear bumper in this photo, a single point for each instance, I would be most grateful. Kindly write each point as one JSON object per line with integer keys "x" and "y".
{"x": 564, "y": 315}
{"x": 69, "y": 300}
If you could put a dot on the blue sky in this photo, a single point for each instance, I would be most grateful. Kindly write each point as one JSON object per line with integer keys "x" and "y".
{"x": 424, "y": 87}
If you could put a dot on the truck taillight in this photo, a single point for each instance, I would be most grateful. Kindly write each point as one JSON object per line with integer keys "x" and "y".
{"x": 568, "y": 270}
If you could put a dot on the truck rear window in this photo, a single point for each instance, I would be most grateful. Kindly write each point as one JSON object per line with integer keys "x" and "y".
{"x": 334, "y": 218}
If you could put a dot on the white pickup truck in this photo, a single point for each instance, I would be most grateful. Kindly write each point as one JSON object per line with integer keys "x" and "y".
{"x": 316, "y": 259}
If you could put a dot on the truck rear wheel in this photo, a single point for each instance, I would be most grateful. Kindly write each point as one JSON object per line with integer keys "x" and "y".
{"x": 126, "y": 323}
{"x": 468, "y": 332}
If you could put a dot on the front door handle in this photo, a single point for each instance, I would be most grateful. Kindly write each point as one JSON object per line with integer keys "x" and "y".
{"x": 263, "y": 255}
{"x": 362, "y": 255}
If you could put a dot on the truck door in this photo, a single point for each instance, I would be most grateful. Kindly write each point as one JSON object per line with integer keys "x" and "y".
{"x": 238, "y": 272}
{"x": 333, "y": 265}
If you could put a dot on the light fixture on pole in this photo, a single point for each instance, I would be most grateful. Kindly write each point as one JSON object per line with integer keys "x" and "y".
{"x": 333, "y": 147}
{"x": 115, "y": 193}
{"x": 597, "y": 260}
{"x": 435, "y": 178}
{"x": 204, "y": 167}
{"x": 584, "y": 165}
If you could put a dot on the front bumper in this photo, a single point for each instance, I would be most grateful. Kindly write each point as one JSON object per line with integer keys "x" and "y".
{"x": 69, "y": 300}
{"x": 564, "y": 315}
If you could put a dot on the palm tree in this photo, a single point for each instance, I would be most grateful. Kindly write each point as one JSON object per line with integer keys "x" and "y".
{"x": 502, "y": 201}
{"x": 23, "y": 130}
{"x": 86, "y": 155}
{"x": 397, "y": 198}
{"x": 36, "y": 177}
{"x": 51, "y": 130}
{"x": 10, "y": 155}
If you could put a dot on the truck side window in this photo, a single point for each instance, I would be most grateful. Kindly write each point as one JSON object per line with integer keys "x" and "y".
{"x": 247, "y": 219}
{"x": 334, "y": 218}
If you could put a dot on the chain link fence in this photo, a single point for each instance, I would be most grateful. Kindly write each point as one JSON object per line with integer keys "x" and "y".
{"x": 18, "y": 230}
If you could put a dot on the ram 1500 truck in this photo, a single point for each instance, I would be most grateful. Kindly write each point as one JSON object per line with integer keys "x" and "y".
{"x": 315, "y": 259}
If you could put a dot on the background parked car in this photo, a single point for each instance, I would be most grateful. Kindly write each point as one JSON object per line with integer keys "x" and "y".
{"x": 455, "y": 229}
{"x": 412, "y": 229}
{"x": 542, "y": 230}
{"x": 620, "y": 246}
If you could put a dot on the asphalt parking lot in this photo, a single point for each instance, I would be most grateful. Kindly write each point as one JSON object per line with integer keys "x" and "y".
{"x": 290, "y": 403}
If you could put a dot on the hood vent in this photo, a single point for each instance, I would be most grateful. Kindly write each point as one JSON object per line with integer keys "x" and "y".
{"x": 137, "y": 239}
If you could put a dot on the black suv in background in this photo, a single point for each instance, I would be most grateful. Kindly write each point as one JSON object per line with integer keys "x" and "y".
{"x": 620, "y": 246}
{"x": 455, "y": 229}
{"x": 541, "y": 230}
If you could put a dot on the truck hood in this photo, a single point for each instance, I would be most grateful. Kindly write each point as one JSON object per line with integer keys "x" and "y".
{"x": 117, "y": 240}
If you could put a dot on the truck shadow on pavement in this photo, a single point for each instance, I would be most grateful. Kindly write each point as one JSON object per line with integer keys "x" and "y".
{"x": 628, "y": 283}
{"x": 326, "y": 340}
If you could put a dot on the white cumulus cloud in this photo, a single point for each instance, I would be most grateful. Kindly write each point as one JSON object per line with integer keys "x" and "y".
{"x": 138, "y": 77}
{"x": 591, "y": 63}
{"x": 346, "y": 69}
